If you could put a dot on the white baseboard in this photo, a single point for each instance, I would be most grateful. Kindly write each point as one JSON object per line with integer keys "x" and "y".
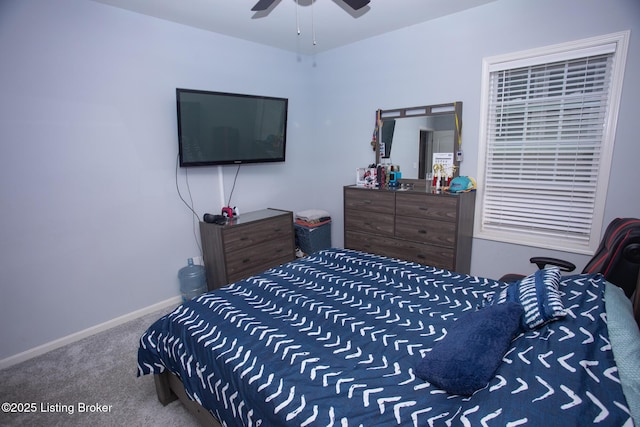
{"x": 77, "y": 336}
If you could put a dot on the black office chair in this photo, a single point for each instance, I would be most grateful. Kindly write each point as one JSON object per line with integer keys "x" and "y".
{"x": 617, "y": 257}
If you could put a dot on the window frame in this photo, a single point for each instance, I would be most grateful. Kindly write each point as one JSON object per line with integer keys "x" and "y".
{"x": 549, "y": 54}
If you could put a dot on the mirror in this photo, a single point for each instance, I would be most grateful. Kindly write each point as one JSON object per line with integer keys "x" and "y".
{"x": 413, "y": 137}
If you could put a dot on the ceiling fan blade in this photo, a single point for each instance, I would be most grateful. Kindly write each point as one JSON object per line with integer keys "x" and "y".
{"x": 262, "y": 5}
{"x": 357, "y": 4}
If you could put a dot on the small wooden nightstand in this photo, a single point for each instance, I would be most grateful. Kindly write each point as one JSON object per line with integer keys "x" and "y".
{"x": 248, "y": 244}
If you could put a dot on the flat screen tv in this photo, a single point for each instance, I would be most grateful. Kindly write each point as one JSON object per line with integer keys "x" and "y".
{"x": 218, "y": 128}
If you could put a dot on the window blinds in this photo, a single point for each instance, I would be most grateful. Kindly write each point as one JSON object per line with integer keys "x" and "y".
{"x": 544, "y": 144}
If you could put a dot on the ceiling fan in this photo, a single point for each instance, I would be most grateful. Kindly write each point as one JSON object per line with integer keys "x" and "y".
{"x": 264, "y": 4}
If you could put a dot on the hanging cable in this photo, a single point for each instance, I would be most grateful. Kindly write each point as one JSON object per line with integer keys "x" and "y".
{"x": 234, "y": 185}
{"x": 194, "y": 217}
{"x": 178, "y": 189}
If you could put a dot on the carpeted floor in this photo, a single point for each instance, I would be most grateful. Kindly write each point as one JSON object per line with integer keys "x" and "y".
{"x": 61, "y": 386}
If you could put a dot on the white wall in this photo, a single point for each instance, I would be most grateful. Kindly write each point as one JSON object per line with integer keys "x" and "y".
{"x": 92, "y": 227}
{"x": 440, "y": 61}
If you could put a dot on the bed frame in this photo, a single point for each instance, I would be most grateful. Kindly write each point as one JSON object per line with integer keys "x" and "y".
{"x": 169, "y": 387}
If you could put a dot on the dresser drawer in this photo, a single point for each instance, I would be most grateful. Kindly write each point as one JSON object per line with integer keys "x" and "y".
{"x": 364, "y": 242}
{"x": 434, "y": 256}
{"x": 427, "y": 206}
{"x": 256, "y": 269}
{"x": 241, "y": 237}
{"x": 425, "y": 230}
{"x": 256, "y": 259}
{"x": 369, "y": 200}
{"x": 371, "y": 222}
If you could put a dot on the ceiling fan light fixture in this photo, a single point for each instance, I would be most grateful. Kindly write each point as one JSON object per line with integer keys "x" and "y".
{"x": 263, "y": 5}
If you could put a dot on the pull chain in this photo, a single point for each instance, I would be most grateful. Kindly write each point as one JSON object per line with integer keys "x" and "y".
{"x": 313, "y": 29}
{"x": 297, "y": 20}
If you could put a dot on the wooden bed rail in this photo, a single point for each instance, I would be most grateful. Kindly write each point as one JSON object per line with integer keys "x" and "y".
{"x": 169, "y": 388}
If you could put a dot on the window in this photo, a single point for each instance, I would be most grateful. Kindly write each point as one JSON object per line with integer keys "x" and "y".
{"x": 546, "y": 138}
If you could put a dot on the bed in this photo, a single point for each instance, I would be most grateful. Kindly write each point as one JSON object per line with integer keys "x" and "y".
{"x": 345, "y": 338}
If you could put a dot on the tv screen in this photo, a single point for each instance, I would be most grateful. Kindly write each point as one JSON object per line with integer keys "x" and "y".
{"x": 217, "y": 128}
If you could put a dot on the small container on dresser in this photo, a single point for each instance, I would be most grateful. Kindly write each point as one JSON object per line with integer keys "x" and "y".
{"x": 415, "y": 225}
{"x": 246, "y": 245}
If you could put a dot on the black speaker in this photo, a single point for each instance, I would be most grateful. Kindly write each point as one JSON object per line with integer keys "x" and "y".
{"x": 214, "y": 219}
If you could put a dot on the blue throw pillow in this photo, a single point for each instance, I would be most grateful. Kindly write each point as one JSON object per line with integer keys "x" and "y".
{"x": 471, "y": 352}
{"x": 539, "y": 295}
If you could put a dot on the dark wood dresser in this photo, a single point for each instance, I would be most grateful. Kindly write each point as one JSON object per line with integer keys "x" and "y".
{"x": 248, "y": 244}
{"x": 415, "y": 225}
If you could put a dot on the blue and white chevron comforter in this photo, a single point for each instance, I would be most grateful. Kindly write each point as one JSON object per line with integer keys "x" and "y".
{"x": 334, "y": 339}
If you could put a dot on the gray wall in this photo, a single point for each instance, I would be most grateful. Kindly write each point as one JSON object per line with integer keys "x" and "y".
{"x": 92, "y": 227}
{"x": 439, "y": 62}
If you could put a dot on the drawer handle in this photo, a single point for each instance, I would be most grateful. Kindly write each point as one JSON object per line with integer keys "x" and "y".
{"x": 246, "y": 260}
{"x": 422, "y": 231}
{"x": 243, "y": 238}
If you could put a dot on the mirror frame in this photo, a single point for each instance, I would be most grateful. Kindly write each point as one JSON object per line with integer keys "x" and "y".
{"x": 425, "y": 110}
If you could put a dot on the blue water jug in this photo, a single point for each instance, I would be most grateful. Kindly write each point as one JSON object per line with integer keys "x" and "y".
{"x": 193, "y": 281}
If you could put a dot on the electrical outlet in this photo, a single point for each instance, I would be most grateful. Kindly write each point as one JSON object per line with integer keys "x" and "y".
{"x": 197, "y": 260}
